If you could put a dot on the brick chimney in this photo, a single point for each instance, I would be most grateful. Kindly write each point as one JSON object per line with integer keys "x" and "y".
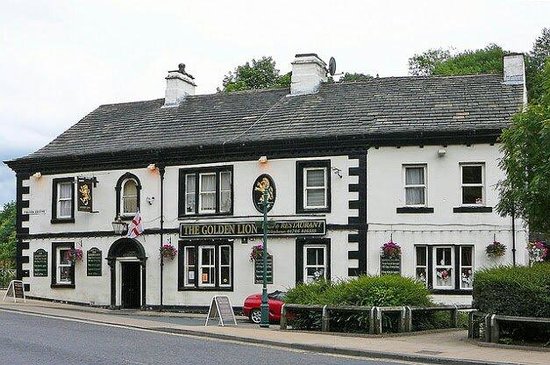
{"x": 179, "y": 84}
{"x": 308, "y": 72}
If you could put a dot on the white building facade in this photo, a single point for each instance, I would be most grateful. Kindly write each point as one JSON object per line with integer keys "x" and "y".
{"x": 348, "y": 168}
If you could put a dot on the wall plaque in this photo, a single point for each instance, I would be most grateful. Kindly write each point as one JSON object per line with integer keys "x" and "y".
{"x": 93, "y": 262}
{"x": 263, "y": 183}
{"x": 390, "y": 265}
{"x": 253, "y": 229}
{"x": 40, "y": 263}
{"x": 258, "y": 270}
{"x": 84, "y": 188}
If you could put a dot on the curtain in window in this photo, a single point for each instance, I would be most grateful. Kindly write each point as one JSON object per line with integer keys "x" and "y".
{"x": 65, "y": 199}
{"x": 129, "y": 197}
{"x": 208, "y": 192}
{"x": 414, "y": 195}
{"x": 225, "y": 191}
{"x": 190, "y": 190}
{"x": 315, "y": 188}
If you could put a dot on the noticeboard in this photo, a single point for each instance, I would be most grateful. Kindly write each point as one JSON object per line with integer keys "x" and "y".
{"x": 259, "y": 270}
{"x": 40, "y": 263}
{"x": 93, "y": 262}
{"x": 390, "y": 265}
{"x": 15, "y": 291}
{"x": 221, "y": 308}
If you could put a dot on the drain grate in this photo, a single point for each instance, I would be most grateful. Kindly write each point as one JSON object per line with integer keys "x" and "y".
{"x": 428, "y": 352}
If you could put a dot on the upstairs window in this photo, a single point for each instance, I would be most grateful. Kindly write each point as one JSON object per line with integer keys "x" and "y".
{"x": 128, "y": 190}
{"x": 63, "y": 200}
{"x": 313, "y": 186}
{"x": 415, "y": 186}
{"x": 473, "y": 184}
{"x": 206, "y": 191}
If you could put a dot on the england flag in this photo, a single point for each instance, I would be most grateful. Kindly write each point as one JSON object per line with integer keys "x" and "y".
{"x": 136, "y": 227}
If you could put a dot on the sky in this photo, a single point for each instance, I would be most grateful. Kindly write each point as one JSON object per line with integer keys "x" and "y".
{"x": 59, "y": 60}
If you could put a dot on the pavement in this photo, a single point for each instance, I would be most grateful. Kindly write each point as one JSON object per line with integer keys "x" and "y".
{"x": 442, "y": 347}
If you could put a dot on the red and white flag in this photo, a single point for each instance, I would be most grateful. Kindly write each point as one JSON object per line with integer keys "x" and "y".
{"x": 136, "y": 227}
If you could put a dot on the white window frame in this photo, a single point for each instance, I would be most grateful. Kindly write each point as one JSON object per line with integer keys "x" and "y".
{"x": 201, "y": 193}
{"x": 424, "y": 186}
{"x": 436, "y": 265}
{"x": 461, "y": 266}
{"x": 463, "y": 185}
{"x": 219, "y": 268}
{"x": 324, "y": 187}
{"x": 187, "y": 266}
{"x": 418, "y": 266}
{"x": 61, "y": 265}
{"x": 228, "y": 190}
{"x": 60, "y": 199}
{"x": 193, "y": 176}
{"x": 200, "y": 284}
{"x": 123, "y": 196}
{"x": 306, "y": 266}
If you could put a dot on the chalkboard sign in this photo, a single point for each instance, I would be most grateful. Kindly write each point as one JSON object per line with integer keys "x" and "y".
{"x": 221, "y": 308}
{"x": 40, "y": 263}
{"x": 15, "y": 291}
{"x": 93, "y": 260}
{"x": 390, "y": 265}
{"x": 259, "y": 270}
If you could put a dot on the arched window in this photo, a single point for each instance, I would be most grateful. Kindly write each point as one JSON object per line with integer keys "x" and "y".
{"x": 128, "y": 190}
{"x": 129, "y": 197}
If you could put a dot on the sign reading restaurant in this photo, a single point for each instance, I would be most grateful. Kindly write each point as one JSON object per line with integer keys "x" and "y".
{"x": 249, "y": 229}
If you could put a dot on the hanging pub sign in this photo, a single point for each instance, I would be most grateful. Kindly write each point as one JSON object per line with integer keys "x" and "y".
{"x": 93, "y": 262}
{"x": 264, "y": 183}
{"x": 40, "y": 263}
{"x": 259, "y": 270}
{"x": 84, "y": 188}
{"x": 251, "y": 229}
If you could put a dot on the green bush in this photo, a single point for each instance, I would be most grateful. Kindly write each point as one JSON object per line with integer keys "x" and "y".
{"x": 388, "y": 290}
{"x": 514, "y": 291}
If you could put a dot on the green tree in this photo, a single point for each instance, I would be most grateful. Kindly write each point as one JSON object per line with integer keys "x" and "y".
{"x": 535, "y": 65}
{"x": 355, "y": 77}
{"x": 526, "y": 161}
{"x": 7, "y": 236}
{"x": 257, "y": 74}
{"x": 423, "y": 64}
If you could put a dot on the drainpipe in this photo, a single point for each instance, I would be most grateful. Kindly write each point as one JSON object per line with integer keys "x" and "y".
{"x": 161, "y": 171}
{"x": 513, "y": 237}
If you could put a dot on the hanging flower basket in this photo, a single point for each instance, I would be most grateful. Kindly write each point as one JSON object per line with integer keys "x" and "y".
{"x": 168, "y": 251}
{"x": 74, "y": 255}
{"x": 257, "y": 252}
{"x": 495, "y": 249}
{"x": 538, "y": 251}
{"x": 391, "y": 250}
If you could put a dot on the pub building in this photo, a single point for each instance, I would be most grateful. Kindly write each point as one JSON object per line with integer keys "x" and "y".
{"x": 347, "y": 168}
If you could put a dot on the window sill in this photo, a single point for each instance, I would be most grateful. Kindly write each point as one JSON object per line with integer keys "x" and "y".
{"x": 61, "y": 220}
{"x": 480, "y": 209}
{"x": 189, "y": 288}
{"x": 451, "y": 291}
{"x": 196, "y": 215}
{"x": 313, "y": 210}
{"x": 414, "y": 210}
{"x": 61, "y": 286}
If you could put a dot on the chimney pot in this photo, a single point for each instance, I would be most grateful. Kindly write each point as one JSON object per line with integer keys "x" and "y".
{"x": 179, "y": 84}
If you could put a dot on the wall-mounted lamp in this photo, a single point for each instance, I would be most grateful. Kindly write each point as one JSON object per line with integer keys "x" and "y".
{"x": 337, "y": 171}
{"x": 262, "y": 159}
{"x": 441, "y": 152}
{"x": 119, "y": 226}
{"x": 150, "y": 200}
{"x": 37, "y": 175}
{"x": 151, "y": 167}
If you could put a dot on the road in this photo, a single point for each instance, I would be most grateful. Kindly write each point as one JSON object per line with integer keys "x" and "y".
{"x": 27, "y": 339}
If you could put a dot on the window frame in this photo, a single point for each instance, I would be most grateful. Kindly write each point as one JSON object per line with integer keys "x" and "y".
{"x": 301, "y": 185}
{"x": 57, "y": 247}
{"x": 436, "y": 266}
{"x": 418, "y": 266}
{"x": 306, "y": 247}
{"x": 424, "y": 168}
{"x": 56, "y": 183}
{"x": 198, "y": 172}
{"x": 198, "y": 246}
{"x": 482, "y": 184}
{"x": 122, "y": 197}
{"x": 119, "y": 195}
{"x": 461, "y": 266}
{"x": 301, "y": 258}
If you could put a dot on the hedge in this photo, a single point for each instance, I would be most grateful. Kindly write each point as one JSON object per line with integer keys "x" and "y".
{"x": 514, "y": 291}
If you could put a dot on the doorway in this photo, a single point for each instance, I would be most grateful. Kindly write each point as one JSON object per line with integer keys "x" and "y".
{"x": 131, "y": 285}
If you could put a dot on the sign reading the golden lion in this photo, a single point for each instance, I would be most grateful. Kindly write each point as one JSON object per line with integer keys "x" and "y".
{"x": 250, "y": 229}
{"x": 84, "y": 188}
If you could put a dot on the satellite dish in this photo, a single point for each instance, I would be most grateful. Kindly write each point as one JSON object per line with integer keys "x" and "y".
{"x": 332, "y": 66}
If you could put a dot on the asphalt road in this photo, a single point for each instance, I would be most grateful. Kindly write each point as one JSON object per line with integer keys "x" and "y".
{"x": 26, "y": 339}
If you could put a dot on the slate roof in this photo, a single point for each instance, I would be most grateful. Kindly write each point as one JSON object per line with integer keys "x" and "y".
{"x": 374, "y": 108}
